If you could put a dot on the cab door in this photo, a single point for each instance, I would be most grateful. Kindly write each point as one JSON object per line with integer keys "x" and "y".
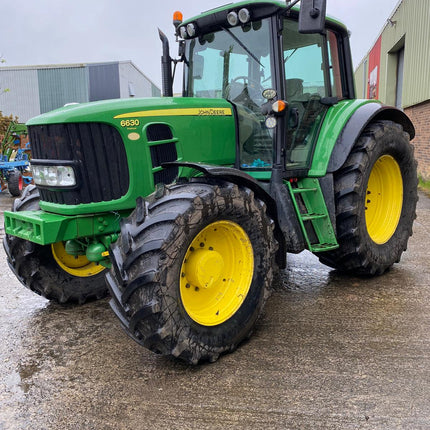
{"x": 310, "y": 87}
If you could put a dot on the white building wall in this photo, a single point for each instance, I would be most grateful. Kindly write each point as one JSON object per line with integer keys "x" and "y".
{"x": 132, "y": 82}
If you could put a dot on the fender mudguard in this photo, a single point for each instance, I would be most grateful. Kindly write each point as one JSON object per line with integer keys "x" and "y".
{"x": 241, "y": 178}
{"x": 355, "y": 126}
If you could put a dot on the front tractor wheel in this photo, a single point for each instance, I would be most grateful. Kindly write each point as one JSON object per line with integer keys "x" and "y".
{"x": 48, "y": 270}
{"x": 376, "y": 196}
{"x": 192, "y": 270}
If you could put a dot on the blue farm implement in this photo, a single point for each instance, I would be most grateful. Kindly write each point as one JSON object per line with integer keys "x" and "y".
{"x": 15, "y": 159}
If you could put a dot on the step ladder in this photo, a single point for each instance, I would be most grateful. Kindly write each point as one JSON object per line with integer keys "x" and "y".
{"x": 313, "y": 215}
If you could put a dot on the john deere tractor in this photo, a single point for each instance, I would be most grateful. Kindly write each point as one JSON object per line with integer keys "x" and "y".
{"x": 187, "y": 205}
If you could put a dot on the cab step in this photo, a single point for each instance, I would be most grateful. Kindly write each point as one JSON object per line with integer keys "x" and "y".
{"x": 313, "y": 215}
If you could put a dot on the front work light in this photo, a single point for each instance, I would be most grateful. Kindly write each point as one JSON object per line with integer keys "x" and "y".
{"x": 183, "y": 32}
{"x": 232, "y": 18}
{"x": 244, "y": 16}
{"x": 53, "y": 176}
{"x": 191, "y": 29}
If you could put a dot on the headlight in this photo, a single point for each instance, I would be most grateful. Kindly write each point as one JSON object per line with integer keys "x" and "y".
{"x": 54, "y": 176}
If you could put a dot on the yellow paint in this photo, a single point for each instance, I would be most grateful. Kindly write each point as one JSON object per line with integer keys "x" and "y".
{"x": 134, "y": 136}
{"x": 384, "y": 199}
{"x": 216, "y": 273}
{"x": 203, "y": 111}
{"x": 78, "y": 266}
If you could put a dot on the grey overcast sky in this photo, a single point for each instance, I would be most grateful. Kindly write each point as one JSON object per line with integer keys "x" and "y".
{"x": 82, "y": 31}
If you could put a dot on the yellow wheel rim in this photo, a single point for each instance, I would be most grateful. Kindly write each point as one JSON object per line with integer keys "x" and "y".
{"x": 384, "y": 199}
{"x": 78, "y": 266}
{"x": 216, "y": 273}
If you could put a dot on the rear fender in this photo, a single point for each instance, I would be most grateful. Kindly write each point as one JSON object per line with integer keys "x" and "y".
{"x": 356, "y": 124}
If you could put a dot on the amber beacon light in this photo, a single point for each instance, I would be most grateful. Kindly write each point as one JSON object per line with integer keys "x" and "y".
{"x": 177, "y": 18}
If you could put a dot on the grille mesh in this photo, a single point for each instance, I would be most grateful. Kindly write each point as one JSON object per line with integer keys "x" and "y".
{"x": 99, "y": 152}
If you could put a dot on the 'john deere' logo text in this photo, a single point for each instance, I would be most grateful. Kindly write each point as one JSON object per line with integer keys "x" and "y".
{"x": 212, "y": 112}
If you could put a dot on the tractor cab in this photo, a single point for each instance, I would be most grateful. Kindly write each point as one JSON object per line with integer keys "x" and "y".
{"x": 241, "y": 53}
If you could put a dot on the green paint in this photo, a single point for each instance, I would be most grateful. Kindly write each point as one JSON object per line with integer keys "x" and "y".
{"x": 315, "y": 215}
{"x": 45, "y": 228}
{"x": 334, "y": 122}
{"x": 201, "y": 137}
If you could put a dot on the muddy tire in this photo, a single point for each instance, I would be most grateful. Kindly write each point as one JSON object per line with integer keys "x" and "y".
{"x": 38, "y": 267}
{"x": 15, "y": 183}
{"x": 192, "y": 270}
{"x": 376, "y": 196}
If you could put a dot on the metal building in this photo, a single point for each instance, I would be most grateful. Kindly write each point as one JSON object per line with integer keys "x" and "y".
{"x": 38, "y": 89}
{"x": 396, "y": 71}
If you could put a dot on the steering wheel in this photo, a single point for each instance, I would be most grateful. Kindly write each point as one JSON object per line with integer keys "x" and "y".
{"x": 253, "y": 87}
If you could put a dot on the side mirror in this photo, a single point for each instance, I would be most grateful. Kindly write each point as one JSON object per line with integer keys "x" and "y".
{"x": 181, "y": 49}
{"x": 312, "y": 16}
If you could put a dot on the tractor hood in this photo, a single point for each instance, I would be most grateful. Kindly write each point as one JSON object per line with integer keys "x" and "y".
{"x": 107, "y": 110}
{"x": 126, "y": 142}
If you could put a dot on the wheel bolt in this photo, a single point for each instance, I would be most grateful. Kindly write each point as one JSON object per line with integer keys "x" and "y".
{"x": 196, "y": 288}
{"x": 187, "y": 286}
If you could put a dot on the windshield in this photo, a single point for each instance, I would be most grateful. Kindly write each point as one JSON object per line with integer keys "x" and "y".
{"x": 235, "y": 64}
{"x": 221, "y": 63}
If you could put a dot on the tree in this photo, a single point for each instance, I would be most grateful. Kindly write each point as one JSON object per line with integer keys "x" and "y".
{"x": 3, "y": 90}
{"x": 4, "y": 123}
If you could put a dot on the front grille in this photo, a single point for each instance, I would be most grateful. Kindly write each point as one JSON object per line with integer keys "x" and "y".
{"x": 162, "y": 153}
{"x": 96, "y": 148}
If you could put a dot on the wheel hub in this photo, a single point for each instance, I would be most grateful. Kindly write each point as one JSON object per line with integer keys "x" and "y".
{"x": 204, "y": 268}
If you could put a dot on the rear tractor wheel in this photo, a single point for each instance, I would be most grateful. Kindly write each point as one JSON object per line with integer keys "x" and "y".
{"x": 192, "y": 270}
{"x": 48, "y": 270}
{"x": 376, "y": 196}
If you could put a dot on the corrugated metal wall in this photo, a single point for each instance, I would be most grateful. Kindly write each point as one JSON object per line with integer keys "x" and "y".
{"x": 22, "y": 99}
{"x": 104, "y": 81}
{"x": 35, "y": 90}
{"x": 58, "y": 86}
{"x": 411, "y": 27}
{"x": 408, "y": 28}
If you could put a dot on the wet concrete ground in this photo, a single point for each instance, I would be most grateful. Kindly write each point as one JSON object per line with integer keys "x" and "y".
{"x": 331, "y": 352}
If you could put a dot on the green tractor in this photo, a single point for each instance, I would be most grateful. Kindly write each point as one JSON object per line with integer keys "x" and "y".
{"x": 183, "y": 207}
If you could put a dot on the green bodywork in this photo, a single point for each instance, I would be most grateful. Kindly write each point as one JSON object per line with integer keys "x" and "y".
{"x": 213, "y": 141}
{"x": 334, "y": 122}
{"x": 45, "y": 227}
{"x": 199, "y": 133}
